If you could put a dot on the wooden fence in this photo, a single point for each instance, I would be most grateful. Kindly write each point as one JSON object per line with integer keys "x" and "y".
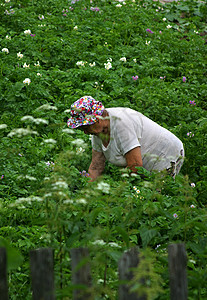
{"x": 42, "y": 274}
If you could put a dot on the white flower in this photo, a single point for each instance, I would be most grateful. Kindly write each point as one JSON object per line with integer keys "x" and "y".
{"x": 112, "y": 244}
{"x": 40, "y": 121}
{"x": 79, "y": 143}
{"x": 108, "y": 65}
{"x": 99, "y": 242}
{"x": 5, "y": 50}
{"x": 135, "y": 60}
{"x": 68, "y": 201}
{"x": 104, "y": 187}
{"x": 192, "y": 206}
{"x": 109, "y": 59}
{"x": 147, "y": 43}
{"x": 30, "y": 178}
{"x": 68, "y": 130}
{"x": 7, "y": 1}
{"x": 39, "y": 74}
{"x": 29, "y": 199}
{"x": 100, "y": 281}
{"x": 192, "y": 261}
{"x": 47, "y": 107}
{"x": 19, "y": 132}
{"x": 41, "y": 17}
{"x": 20, "y": 55}
{"x": 37, "y": 64}
{"x": 196, "y": 31}
{"x": 27, "y": 32}
{"x": 81, "y": 201}
{"x": 81, "y": 63}
{"x": 119, "y": 5}
{"x": 134, "y": 175}
{"x": 80, "y": 150}
{"x": 27, "y": 81}
{"x": 25, "y": 65}
{"x": 60, "y": 184}
{"x": 93, "y": 64}
{"x": 27, "y": 118}
{"x": 75, "y": 27}
{"x": 164, "y": 19}
{"x": 50, "y": 141}
{"x": 192, "y": 184}
{"x": 169, "y": 26}
{"x": 125, "y": 175}
{"x": 123, "y": 59}
{"x": 2, "y": 126}
{"x": 8, "y": 37}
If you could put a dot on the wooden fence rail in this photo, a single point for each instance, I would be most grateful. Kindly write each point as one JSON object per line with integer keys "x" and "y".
{"x": 42, "y": 273}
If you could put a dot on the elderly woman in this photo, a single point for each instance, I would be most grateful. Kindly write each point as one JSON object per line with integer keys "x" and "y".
{"x": 125, "y": 138}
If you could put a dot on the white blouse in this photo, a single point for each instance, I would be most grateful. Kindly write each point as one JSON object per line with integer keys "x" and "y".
{"x": 130, "y": 129}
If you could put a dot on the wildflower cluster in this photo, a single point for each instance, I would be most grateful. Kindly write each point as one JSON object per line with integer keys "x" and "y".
{"x": 94, "y": 8}
{"x": 192, "y": 102}
{"x": 137, "y": 191}
{"x": 20, "y": 132}
{"x": 81, "y": 63}
{"x": 34, "y": 120}
{"x": 108, "y": 65}
{"x": 190, "y": 134}
{"x": 27, "y": 81}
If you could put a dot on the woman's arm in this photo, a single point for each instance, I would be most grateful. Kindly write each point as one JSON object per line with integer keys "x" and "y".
{"x": 97, "y": 165}
{"x": 134, "y": 159}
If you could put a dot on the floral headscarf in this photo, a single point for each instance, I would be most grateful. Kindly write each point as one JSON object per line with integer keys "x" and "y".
{"x": 84, "y": 111}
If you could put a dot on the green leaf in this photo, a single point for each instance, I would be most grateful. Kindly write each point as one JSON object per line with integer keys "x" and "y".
{"x": 124, "y": 234}
{"x": 14, "y": 257}
{"x": 147, "y": 235}
{"x": 115, "y": 255}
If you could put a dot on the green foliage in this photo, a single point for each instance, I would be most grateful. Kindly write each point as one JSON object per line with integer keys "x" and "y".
{"x": 45, "y": 202}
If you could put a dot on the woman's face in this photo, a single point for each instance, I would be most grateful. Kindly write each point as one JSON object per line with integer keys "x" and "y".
{"x": 99, "y": 128}
{"x": 94, "y": 129}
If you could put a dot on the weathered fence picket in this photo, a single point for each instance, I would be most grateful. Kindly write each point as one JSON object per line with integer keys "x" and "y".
{"x": 41, "y": 266}
{"x": 177, "y": 261}
{"x": 42, "y": 273}
{"x": 3, "y": 275}
{"x": 81, "y": 274}
{"x": 129, "y": 260}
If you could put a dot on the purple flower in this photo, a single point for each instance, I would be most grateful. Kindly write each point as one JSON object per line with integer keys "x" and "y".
{"x": 163, "y": 77}
{"x": 175, "y": 216}
{"x": 32, "y": 35}
{"x": 190, "y": 134}
{"x": 94, "y": 8}
{"x": 20, "y": 154}
{"x": 184, "y": 79}
{"x": 135, "y": 77}
{"x": 149, "y": 30}
{"x": 84, "y": 173}
{"x": 2, "y": 176}
{"x": 65, "y": 15}
{"x": 192, "y": 102}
